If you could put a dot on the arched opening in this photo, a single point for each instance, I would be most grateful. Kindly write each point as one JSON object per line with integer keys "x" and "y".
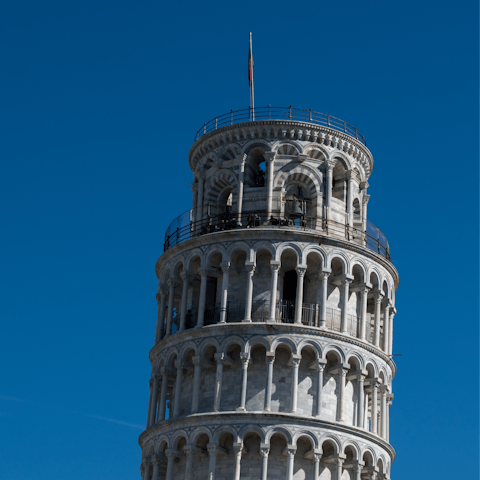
{"x": 297, "y": 204}
{"x": 251, "y": 465}
{"x": 236, "y": 288}
{"x": 282, "y": 380}
{"x": 232, "y": 372}
{"x": 328, "y": 464}
{"x": 226, "y": 457}
{"x": 303, "y": 464}
{"x": 307, "y": 382}
{"x": 207, "y": 382}
{"x": 261, "y": 286}
{"x": 277, "y": 458}
{"x": 257, "y": 374}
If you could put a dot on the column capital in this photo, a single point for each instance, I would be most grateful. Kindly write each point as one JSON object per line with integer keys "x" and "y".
{"x": 186, "y": 276}
{"x": 294, "y": 360}
{"x": 163, "y": 289}
{"x": 318, "y": 364}
{"x": 275, "y": 265}
{"x": 215, "y": 449}
{"x": 171, "y": 282}
{"x": 220, "y": 357}
{"x": 330, "y": 164}
{"x": 203, "y": 272}
{"x": 171, "y": 453}
{"x": 179, "y": 365}
{"x": 238, "y": 448}
{"x": 225, "y": 266}
{"x": 301, "y": 269}
{"x": 245, "y": 358}
{"x": 270, "y": 357}
{"x": 156, "y": 459}
{"x": 269, "y": 156}
{"x": 250, "y": 266}
{"x": 324, "y": 273}
{"x": 378, "y": 296}
{"x": 166, "y": 371}
{"x": 264, "y": 449}
{"x": 290, "y": 450}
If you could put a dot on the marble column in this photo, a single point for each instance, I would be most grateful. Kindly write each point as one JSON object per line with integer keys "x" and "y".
{"x": 345, "y": 295}
{"x": 339, "y": 468}
{"x": 238, "y": 449}
{"x": 212, "y": 453}
{"x": 224, "y": 294}
{"x": 295, "y": 362}
{"x": 290, "y": 462}
{"x": 219, "y": 359}
{"x": 320, "y": 368}
{"x": 361, "y": 400}
{"x": 383, "y": 411}
{"x": 270, "y": 163}
{"x": 161, "y": 299}
{"x": 329, "y": 174}
{"x": 386, "y": 322}
{"x": 188, "y": 450}
{"x": 194, "y": 188}
{"x": 390, "y": 332}
{"x": 358, "y": 471}
{"x": 153, "y": 401}
{"x": 170, "y": 454}
{"x": 202, "y": 299}
{"x": 270, "y": 359}
{"x": 374, "y": 410}
{"x": 199, "y": 216}
{"x": 146, "y": 471}
{"x": 301, "y": 269}
{"x": 156, "y": 467}
{"x": 249, "y": 295}
{"x": 171, "y": 297}
{"x": 363, "y": 310}
{"x": 178, "y": 388}
{"x": 197, "y": 362}
{"x": 324, "y": 278}
{"x": 316, "y": 465}
{"x": 274, "y": 267}
{"x": 341, "y": 393}
{"x": 241, "y": 180}
{"x": 245, "y": 359}
{"x": 163, "y": 395}
{"x": 264, "y": 450}
{"x": 183, "y": 309}
{"x": 349, "y": 198}
{"x": 376, "y": 334}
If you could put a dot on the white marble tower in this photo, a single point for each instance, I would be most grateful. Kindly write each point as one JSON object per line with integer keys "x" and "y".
{"x": 272, "y": 355}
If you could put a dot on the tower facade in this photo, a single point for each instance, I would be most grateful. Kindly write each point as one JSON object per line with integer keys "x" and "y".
{"x": 272, "y": 356}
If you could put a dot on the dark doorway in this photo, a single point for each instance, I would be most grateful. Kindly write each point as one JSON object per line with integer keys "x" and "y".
{"x": 211, "y": 312}
{"x": 289, "y": 296}
{"x": 290, "y": 286}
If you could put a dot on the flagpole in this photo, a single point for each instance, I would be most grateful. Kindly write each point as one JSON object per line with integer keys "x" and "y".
{"x": 252, "y": 88}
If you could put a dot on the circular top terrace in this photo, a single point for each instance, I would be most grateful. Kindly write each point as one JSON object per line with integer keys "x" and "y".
{"x": 300, "y": 119}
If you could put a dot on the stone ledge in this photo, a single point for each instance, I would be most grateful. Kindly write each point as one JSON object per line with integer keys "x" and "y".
{"x": 267, "y": 329}
{"x": 257, "y": 418}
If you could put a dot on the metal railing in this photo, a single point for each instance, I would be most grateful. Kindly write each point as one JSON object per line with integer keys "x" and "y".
{"x": 279, "y": 113}
{"x": 186, "y": 226}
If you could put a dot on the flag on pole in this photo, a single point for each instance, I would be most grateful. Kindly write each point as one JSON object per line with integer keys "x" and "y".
{"x": 250, "y": 64}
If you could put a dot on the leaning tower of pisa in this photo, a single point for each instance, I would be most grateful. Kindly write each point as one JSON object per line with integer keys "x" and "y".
{"x": 272, "y": 354}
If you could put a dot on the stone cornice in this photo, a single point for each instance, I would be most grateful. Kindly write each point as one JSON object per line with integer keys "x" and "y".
{"x": 271, "y": 419}
{"x": 303, "y": 131}
{"x": 255, "y": 328}
{"x": 276, "y": 234}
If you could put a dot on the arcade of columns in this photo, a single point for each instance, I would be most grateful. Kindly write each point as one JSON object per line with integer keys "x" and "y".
{"x": 257, "y": 392}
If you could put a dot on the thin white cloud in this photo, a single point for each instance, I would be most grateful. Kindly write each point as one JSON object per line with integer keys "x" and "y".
{"x": 120, "y": 422}
{"x": 12, "y": 399}
{"x": 98, "y": 417}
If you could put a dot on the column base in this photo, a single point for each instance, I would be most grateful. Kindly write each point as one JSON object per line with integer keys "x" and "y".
{"x": 247, "y": 320}
{"x": 241, "y": 409}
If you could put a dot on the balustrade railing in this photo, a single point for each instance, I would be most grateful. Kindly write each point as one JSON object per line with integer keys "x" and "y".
{"x": 279, "y": 113}
{"x": 187, "y": 226}
{"x": 284, "y": 313}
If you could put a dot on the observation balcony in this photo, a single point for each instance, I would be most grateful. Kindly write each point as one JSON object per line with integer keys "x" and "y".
{"x": 279, "y": 113}
{"x": 284, "y": 313}
{"x": 186, "y": 227}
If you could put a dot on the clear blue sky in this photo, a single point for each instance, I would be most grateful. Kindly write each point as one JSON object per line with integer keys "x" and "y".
{"x": 100, "y": 101}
